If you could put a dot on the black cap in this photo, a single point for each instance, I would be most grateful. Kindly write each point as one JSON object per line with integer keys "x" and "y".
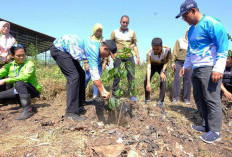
{"x": 111, "y": 45}
{"x": 187, "y": 5}
{"x": 157, "y": 42}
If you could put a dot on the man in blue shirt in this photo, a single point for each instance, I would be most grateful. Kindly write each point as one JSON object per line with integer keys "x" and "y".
{"x": 207, "y": 53}
{"x": 68, "y": 51}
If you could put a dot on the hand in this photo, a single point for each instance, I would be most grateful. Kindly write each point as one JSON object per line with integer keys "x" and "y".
{"x": 103, "y": 67}
{"x": 8, "y": 59}
{"x": 182, "y": 72}
{"x": 105, "y": 95}
{"x": 3, "y": 81}
{"x": 163, "y": 77}
{"x": 87, "y": 67}
{"x": 173, "y": 67}
{"x": 108, "y": 62}
{"x": 216, "y": 76}
{"x": 148, "y": 88}
{"x": 228, "y": 95}
{"x": 138, "y": 61}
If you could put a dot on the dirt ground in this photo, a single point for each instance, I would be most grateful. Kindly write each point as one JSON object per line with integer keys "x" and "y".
{"x": 143, "y": 130}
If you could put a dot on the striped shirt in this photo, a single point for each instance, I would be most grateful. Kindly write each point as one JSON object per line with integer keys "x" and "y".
{"x": 153, "y": 58}
{"x": 208, "y": 45}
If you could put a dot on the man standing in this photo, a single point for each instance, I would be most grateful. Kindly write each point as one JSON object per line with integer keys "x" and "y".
{"x": 207, "y": 53}
{"x": 125, "y": 37}
{"x": 178, "y": 58}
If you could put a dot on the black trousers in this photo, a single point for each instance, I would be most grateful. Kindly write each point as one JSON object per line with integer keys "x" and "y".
{"x": 22, "y": 88}
{"x": 130, "y": 74}
{"x": 154, "y": 69}
{"x": 177, "y": 82}
{"x": 75, "y": 76}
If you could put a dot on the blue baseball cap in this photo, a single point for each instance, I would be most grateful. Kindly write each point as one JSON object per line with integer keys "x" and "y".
{"x": 187, "y": 5}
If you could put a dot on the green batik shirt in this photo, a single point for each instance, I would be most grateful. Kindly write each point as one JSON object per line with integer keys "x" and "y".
{"x": 24, "y": 72}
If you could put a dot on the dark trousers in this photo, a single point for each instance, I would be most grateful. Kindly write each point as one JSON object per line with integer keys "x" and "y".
{"x": 130, "y": 74}
{"x": 207, "y": 97}
{"x": 75, "y": 76}
{"x": 177, "y": 82}
{"x": 22, "y": 88}
{"x": 154, "y": 69}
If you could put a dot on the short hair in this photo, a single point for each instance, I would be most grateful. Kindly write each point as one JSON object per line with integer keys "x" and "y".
{"x": 157, "y": 42}
{"x": 16, "y": 47}
{"x": 125, "y": 17}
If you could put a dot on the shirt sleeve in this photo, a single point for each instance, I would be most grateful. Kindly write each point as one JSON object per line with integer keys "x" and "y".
{"x": 4, "y": 71}
{"x": 92, "y": 54}
{"x": 219, "y": 36}
{"x": 112, "y": 36}
{"x": 134, "y": 38}
{"x": 23, "y": 76}
{"x": 148, "y": 58}
{"x": 175, "y": 51}
{"x": 187, "y": 62}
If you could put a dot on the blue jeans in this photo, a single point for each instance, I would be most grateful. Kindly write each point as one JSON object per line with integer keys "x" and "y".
{"x": 87, "y": 79}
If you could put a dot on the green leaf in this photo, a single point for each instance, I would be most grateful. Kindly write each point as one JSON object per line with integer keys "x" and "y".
{"x": 111, "y": 103}
{"x": 118, "y": 102}
{"x": 125, "y": 74}
{"x": 117, "y": 93}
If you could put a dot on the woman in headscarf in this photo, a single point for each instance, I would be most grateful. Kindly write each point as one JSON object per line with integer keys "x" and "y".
{"x": 97, "y": 36}
{"x": 6, "y": 42}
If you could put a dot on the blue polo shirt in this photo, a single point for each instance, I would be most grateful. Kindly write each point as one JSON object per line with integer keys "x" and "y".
{"x": 208, "y": 45}
{"x": 81, "y": 49}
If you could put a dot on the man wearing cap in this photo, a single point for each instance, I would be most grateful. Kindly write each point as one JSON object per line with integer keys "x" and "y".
{"x": 157, "y": 61}
{"x": 178, "y": 58}
{"x": 125, "y": 37}
{"x": 207, "y": 53}
{"x": 67, "y": 51}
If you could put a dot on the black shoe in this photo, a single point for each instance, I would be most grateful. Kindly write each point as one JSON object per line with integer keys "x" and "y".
{"x": 25, "y": 101}
{"x": 82, "y": 111}
{"x": 74, "y": 117}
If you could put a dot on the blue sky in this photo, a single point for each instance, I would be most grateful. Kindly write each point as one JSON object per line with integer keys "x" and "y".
{"x": 148, "y": 18}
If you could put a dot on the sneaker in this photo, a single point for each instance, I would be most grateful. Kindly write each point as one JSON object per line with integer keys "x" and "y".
{"x": 134, "y": 98}
{"x": 94, "y": 96}
{"x": 199, "y": 128}
{"x": 74, "y": 117}
{"x": 147, "y": 101}
{"x": 210, "y": 137}
{"x": 160, "y": 103}
{"x": 187, "y": 102}
{"x": 174, "y": 101}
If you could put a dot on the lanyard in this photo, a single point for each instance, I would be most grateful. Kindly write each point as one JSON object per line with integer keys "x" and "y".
{"x": 17, "y": 74}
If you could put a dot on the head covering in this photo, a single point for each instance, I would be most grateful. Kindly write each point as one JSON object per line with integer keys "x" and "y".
{"x": 95, "y": 28}
{"x": 111, "y": 45}
{"x": 187, "y": 5}
{"x": 156, "y": 42}
{"x": 6, "y": 41}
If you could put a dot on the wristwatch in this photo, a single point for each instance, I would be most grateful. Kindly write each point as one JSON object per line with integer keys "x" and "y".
{"x": 163, "y": 71}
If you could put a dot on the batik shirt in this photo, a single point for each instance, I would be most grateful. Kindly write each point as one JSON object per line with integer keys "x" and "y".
{"x": 156, "y": 59}
{"x": 208, "y": 45}
{"x": 81, "y": 50}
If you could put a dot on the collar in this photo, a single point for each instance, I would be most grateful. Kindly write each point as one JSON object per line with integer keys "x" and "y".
{"x": 122, "y": 30}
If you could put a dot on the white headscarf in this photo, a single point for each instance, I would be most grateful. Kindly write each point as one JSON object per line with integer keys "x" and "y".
{"x": 6, "y": 41}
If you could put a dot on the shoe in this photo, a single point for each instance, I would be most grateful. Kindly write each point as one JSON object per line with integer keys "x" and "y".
{"x": 94, "y": 96}
{"x": 199, "y": 128}
{"x": 74, "y": 117}
{"x": 210, "y": 137}
{"x": 25, "y": 101}
{"x": 134, "y": 98}
{"x": 160, "y": 103}
{"x": 187, "y": 102}
{"x": 82, "y": 111}
{"x": 147, "y": 101}
{"x": 174, "y": 101}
